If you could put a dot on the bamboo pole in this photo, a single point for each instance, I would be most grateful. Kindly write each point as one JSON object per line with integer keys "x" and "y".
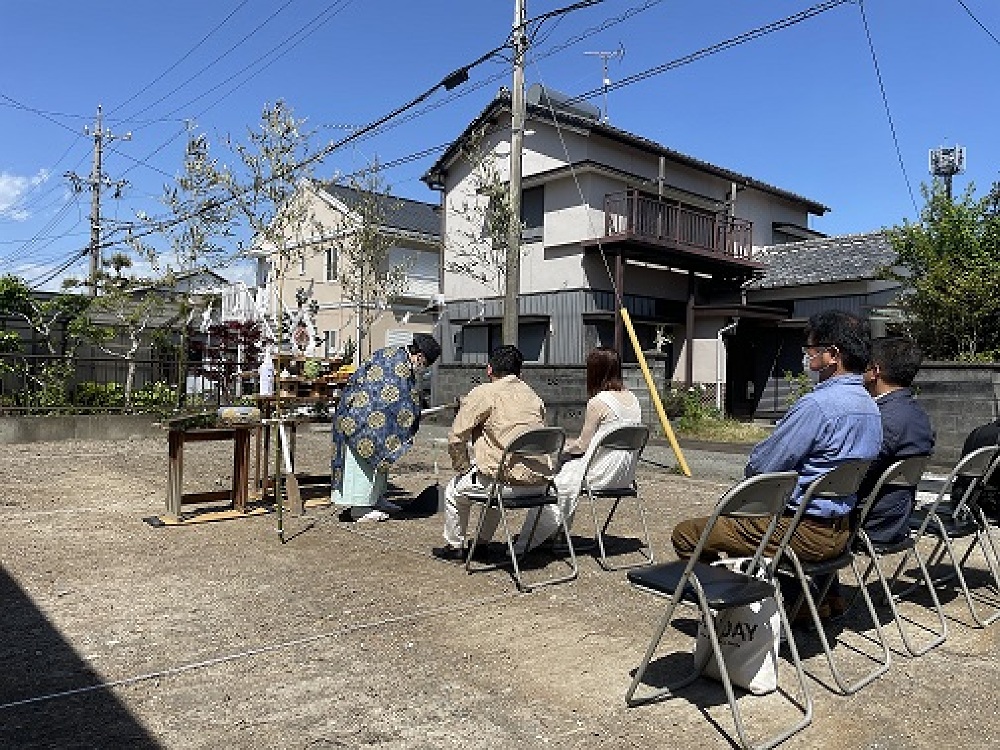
{"x": 654, "y": 394}
{"x": 278, "y": 501}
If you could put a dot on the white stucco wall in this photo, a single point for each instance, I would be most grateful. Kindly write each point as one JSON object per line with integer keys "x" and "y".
{"x": 574, "y": 207}
{"x": 763, "y": 210}
{"x": 705, "y": 343}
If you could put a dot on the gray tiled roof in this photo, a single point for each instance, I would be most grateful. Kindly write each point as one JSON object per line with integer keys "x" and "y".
{"x": 544, "y": 114}
{"x": 823, "y": 260}
{"x": 399, "y": 213}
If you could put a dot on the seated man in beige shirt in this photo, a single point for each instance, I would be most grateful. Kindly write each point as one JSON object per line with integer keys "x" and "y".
{"x": 490, "y": 416}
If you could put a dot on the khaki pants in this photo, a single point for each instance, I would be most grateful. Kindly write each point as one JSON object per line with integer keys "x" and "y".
{"x": 813, "y": 540}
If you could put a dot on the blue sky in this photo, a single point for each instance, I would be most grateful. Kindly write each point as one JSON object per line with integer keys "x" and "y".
{"x": 801, "y": 108}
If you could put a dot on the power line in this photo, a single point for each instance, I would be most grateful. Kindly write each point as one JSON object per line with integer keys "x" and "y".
{"x": 981, "y": 24}
{"x": 452, "y": 80}
{"x": 216, "y": 60}
{"x": 183, "y": 57}
{"x": 22, "y": 203}
{"x": 472, "y": 88}
{"x": 63, "y": 236}
{"x": 735, "y": 41}
{"x": 885, "y": 104}
{"x": 248, "y": 71}
{"x": 20, "y": 252}
{"x": 48, "y": 276}
{"x": 381, "y": 124}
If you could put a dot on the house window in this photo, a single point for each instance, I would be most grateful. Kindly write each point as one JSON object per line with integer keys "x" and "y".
{"x": 329, "y": 343}
{"x": 302, "y": 263}
{"x": 533, "y": 214}
{"x": 398, "y": 337}
{"x": 421, "y": 268}
{"x": 330, "y": 273}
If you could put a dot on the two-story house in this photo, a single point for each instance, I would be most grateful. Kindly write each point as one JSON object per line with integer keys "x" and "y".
{"x": 315, "y": 272}
{"x": 604, "y": 209}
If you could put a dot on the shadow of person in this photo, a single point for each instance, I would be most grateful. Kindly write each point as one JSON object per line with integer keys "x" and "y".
{"x": 49, "y": 695}
{"x": 424, "y": 504}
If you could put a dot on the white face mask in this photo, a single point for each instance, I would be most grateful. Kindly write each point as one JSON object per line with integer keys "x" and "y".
{"x": 806, "y": 360}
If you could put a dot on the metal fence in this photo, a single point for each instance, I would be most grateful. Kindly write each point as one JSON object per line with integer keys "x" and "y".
{"x": 42, "y": 383}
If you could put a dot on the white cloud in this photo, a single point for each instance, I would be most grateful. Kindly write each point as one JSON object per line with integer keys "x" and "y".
{"x": 12, "y": 189}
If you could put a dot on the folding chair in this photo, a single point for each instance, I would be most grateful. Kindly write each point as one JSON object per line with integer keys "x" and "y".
{"x": 904, "y": 473}
{"x": 715, "y": 588}
{"x": 630, "y": 438}
{"x": 948, "y": 522}
{"x": 843, "y": 480}
{"x": 541, "y": 443}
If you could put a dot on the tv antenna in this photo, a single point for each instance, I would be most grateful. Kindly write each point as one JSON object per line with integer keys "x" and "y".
{"x": 606, "y": 81}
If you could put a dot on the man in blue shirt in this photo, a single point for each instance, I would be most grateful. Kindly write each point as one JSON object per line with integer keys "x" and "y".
{"x": 835, "y": 422}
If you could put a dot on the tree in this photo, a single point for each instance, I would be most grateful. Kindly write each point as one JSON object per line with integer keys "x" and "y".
{"x": 46, "y": 316}
{"x": 367, "y": 277}
{"x": 130, "y": 306}
{"x": 218, "y": 353}
{"x": 949, "y": 264}
{"x": 481, "y": 255}
{"x": 201, "y": 216}
{"x": 274, "y": 165}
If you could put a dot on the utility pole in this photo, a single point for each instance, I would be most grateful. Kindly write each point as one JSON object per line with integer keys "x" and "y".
{"x": 94, "y": 183}
{"x": 513, "y": 272}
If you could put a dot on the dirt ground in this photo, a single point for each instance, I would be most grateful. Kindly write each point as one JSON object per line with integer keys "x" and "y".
{"x": 118, "y": 634}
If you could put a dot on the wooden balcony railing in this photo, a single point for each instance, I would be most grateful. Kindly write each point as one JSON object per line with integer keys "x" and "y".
{"x": 631, "y": 215}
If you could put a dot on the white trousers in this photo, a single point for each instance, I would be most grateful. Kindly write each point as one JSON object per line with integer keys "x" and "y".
{"x": 550, "y": 516}
{"x": 458, "y": 506}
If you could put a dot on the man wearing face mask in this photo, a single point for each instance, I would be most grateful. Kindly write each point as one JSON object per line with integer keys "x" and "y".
{"x": 906, "y": 431}
{"x": 835, "y": 422}
{"x": 373, "y": 426}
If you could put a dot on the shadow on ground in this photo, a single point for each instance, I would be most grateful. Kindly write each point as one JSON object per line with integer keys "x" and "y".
{"x": 38, "y": 662}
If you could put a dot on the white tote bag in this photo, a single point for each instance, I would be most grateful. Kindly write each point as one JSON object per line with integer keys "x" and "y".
{"x": 749, "y": 640}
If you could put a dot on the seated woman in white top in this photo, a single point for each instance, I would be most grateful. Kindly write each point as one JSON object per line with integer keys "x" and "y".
{"x": 610, "y": 405}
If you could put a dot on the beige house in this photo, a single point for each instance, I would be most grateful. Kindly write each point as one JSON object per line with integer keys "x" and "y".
{"x": 313, "y": 294}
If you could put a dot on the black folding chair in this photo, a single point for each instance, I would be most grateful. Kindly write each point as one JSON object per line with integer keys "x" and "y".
{"x": 631, "y": 438}
{"x": 541, "y": 444}
{"x": 714, "y": 588}
{"x": 843, "y": 480}
{"x": 947, "y": 522}
{"x": 904, "y": 473}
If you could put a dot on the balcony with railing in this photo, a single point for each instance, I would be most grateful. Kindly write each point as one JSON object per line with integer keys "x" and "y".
{"x": 650, "y": 228}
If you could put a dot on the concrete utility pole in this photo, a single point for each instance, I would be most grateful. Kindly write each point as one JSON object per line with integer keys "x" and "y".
{"x": 513, "y": 272}
{"x": 94, "y": 183}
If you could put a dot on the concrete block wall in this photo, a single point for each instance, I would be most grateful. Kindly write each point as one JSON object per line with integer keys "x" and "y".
{"x": 958, "y": 398}
{"x": 563, "y": 388}
{"x": 79, "y": 427}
